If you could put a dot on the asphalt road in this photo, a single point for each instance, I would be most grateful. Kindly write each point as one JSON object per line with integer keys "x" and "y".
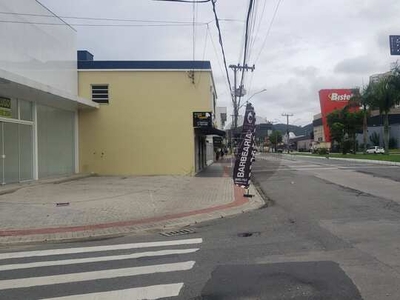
{"x": 320, "y": 238}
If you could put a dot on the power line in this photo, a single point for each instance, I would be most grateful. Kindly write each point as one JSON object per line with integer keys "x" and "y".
{"x": 204, "y": 55}
{"x": 185, "y": 1}
{"x": 252, "y": 27}
{"x": 103, "y": 25}
{"x": 194, "y": 31}
{"x": 246, "y": 45}
{"x": 260, "y": 22}
{"x": 218, "y": 60}
{"x": 95, "y": 19}
{"x": 254, "y": 40}
{"x": 269, "y": 29}
{"x": 221, "y": 44}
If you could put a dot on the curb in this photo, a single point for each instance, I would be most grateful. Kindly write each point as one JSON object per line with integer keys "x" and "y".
{"x": 239, "y": 205}
{"x": 371, "y": 161}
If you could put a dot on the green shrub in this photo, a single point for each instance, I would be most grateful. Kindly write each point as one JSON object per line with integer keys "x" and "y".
{"x": 392, "y": 143}
{"x": 323, "y": 151}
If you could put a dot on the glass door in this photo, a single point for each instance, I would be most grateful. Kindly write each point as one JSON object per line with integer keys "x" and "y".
{"x": 25, "y": 152}
{"x": 11, "y": 152}
{"x": 16, "y": 147}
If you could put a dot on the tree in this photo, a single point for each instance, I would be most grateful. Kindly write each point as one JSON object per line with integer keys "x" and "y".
{"x": 375, "y": 138}
{"x": 385, "y": 95}
{"x": 275, "y": 138}
{"x": 343, "y": 125}
{"x": 336, "y": 127}
{"x": 365, "y": 100}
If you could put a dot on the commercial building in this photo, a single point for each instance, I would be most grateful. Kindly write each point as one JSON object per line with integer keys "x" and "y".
{"x": 318, "y": 128}
{"x": 330, "y": 100}
{"x": 375, "y": 131}
{"x": 153, "y": 119}
{"x": 38, "y": 95}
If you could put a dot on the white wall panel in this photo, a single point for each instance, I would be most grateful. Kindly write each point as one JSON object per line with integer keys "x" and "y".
{"x": 43, "y": 53}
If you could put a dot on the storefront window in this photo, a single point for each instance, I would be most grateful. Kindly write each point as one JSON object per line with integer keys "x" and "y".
{"x": 25, "y": 110}
{"x": 14, "y": 109}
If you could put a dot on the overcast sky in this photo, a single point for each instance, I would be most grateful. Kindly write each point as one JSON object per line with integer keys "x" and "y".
{"x": 313, "y": 44}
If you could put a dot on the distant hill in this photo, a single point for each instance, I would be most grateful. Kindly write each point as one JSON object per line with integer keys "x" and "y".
{"x": 297, "y": 130}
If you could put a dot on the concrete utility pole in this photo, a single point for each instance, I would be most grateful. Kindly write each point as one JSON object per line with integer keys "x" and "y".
{"x": 287, "y": 130}
{"x": 238, "y": 92}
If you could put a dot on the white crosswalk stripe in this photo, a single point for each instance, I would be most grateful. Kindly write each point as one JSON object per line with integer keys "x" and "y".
{"x": 98, "y": 248}
{"x": 94, "y": 259}
{"x": 43, "y": 270}
{"x": 148, "y": 292}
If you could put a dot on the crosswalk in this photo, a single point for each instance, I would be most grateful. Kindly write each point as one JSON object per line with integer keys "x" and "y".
{"x": 148, "y": 270}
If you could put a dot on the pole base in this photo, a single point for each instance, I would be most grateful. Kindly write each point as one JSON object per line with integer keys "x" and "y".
{"x": 248, "y": 195}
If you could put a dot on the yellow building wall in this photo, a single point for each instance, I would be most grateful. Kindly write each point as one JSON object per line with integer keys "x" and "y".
{"x": 147, "y": 127}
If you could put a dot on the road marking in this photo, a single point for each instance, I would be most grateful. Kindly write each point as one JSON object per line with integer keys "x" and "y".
{"x": 98, "y": 248}
{"x": 94, "y": 275}
{"x": 94, "y": 259}
{"x": 148, "y": 292}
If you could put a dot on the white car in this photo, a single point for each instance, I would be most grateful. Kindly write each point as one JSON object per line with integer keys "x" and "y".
{"x": 376, "y": 150}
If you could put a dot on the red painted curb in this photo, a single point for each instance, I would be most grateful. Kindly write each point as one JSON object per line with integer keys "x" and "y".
{"x": 238, "y": 196}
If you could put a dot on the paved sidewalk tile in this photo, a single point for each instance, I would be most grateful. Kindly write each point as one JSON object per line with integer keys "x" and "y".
{"x": 109, "y": 205}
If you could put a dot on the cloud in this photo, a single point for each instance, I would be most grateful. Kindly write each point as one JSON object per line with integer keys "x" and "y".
{"x": 312, "y": 45}
{"x": 358, "y": 65}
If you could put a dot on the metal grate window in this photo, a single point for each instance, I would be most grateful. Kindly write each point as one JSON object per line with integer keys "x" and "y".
{"x": 100, "y": 93}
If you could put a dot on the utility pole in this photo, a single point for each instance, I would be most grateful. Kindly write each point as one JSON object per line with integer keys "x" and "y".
{"x": 287, "y": 130}
{"x": 237, "y": 92}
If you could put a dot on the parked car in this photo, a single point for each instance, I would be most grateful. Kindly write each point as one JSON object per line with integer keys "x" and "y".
{"x": 376, "y": 150}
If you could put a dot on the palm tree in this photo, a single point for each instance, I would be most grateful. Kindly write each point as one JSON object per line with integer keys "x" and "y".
{"x": 385, "y": 94}
{"x": 365, "y": 100}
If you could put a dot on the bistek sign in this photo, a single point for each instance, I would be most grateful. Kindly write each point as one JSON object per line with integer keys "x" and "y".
{"x": 330, "y": 100}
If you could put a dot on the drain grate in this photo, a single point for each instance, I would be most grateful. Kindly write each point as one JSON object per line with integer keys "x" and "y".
{"x": 178, "y": 232}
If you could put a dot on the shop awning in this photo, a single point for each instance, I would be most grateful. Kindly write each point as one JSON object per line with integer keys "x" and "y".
{"x": 210, "y": 131}
{"x": 16, "y": 86}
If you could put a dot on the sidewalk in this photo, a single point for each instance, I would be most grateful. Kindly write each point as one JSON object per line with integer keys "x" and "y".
{"x": 101, "y": 206}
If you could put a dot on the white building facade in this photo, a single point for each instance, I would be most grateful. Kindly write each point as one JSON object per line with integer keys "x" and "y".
{"x": 38, "y": 94}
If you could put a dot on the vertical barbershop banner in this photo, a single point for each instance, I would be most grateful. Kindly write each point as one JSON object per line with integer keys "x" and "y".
{"x": 244, "y": 158}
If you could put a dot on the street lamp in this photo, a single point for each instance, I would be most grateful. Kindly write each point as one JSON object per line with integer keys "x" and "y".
{"x": 247, "y": 101}
{"x": 259, "y": 92}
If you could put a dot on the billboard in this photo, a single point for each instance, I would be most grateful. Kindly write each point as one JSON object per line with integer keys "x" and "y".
{"x": 330, "y": 100}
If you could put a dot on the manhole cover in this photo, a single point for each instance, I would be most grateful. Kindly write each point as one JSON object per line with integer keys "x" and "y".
{"x": 178, "y": 232}
{"x": 248, "y": 234}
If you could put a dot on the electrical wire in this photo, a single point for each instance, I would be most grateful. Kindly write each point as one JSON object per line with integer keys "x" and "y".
{"x": 204, "y": 55}
{"x": 253, "y": 19}
{"x": 246, "y": 46}
{"x": 218, "y": 60}
{"x": 221, "y": 44}
{"x": 269, "y": 30}
{"x": 102, "y": 25}
{"x": 255, "y": 37}
{"x": 96, "y": 19}
{"x": 184, "y": 1}
{"x": 194, "y": 32}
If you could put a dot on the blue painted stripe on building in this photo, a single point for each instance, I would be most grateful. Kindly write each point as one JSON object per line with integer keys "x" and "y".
{"x": 143, "y": 65}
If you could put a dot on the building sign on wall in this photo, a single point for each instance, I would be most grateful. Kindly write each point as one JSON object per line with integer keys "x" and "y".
{"x": 217, "y": 141}
{"x": 330, "y": 100}
{"x": 394, "y": 41}
{"x": 202, "y": 119}
{"x": 244, "y": 158}
{"x": 5, "y": 107}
